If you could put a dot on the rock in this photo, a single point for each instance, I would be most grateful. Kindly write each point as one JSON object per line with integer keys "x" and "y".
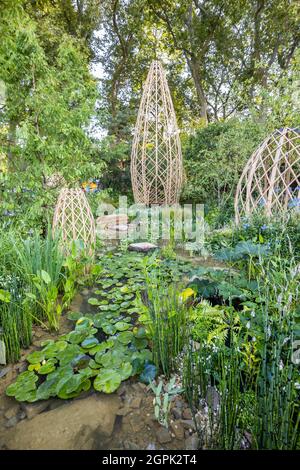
{"x": 62, "y": 427}
{"x": 136, "y": 402}
{"x": 178, "y": 403}
{"x": 33, "y": 409}
{"x": 187, "y": 414}
{"x": 177, "y": 413}
{"x": 22, "y": 367}
{"x": 12, "y": 411}
{"x": 143, "y": 247}
{"x": 6, "y": 402}
{"x": 130, "y": 445}
{"x": 178, "y": 429}
{"x": 163, "y": 436}
{"x": 11, "y": 422}
{"x": 5, "y": 371}
{"x": 212, "y": 398}
{"x": 188, "y": 424}
{"x": 124, "y": 411}
{"x": 112, "y": 219}
{"x": 192, "y": 442}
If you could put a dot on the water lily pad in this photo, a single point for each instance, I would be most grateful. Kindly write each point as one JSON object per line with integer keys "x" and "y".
{"x": 67, "y": 355}
{"x": 83, "y": 322}
{"x": 125, "y": 337}
{"x": 89, "y": 342}
{"x": 122, "y": 326}
{"x": 81, "y": 361}
{"x": 125, "y": 370}
{"x": 109, "y": 329}
{"x": 107, "y": 381}
{"x": 93, "y": 301}
{"x": 35, "y": 357}
{"x": 46, "y": 368}
{"x": 74, "y": 316}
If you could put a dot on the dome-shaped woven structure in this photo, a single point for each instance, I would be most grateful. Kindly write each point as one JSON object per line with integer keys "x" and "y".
{"x": 271, "y": 178}
{"x": 156, "y": 159}
{"x": 74, "y": 219}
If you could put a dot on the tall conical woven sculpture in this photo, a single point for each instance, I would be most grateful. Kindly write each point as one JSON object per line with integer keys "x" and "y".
{"x": 271, "y": 178}
{"x": 73, "y": 217}
{"x": 156, "y": 159}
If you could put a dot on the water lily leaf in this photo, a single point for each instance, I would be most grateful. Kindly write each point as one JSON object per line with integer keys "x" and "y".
{"x": 46, "y": 368}
{"x": 111, "y": 359}
{"x": 125, "y": 337}
{"x": 35, "y": 357}
{"x": 114, "y": 307}
{"x": 93, "y": 301}
{"x": 67, "y": 355}
{"x": 34, "y": 367}
{"x": 89, "y": 342}
{"x": 107, "y": 381}
{"x": 81, "y": 361}
{"x": 83, "y": 322}
{"x": 52, "y": 349}
{"x": 25, "y": 382}
{"x": 104, "y": 308}
{"x": 93, "y": 364}
{"x": 26, "y": 395}
{"x": 140, "y": 343}
{"x": 125, "y": 370}
{"x": 46, "y": 390}
{"x": 122, "y": 326}
{"x": 109, "y": 329}
{"x": 74, "y": 316}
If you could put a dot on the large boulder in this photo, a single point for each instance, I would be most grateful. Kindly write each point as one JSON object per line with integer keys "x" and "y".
{"x": 80, "y": 424}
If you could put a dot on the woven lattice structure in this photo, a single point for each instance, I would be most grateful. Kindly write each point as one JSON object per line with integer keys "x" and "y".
{"x": 156, "y": 159}
{"x": 271, "y": 178}
{"x": 74, "y": 219}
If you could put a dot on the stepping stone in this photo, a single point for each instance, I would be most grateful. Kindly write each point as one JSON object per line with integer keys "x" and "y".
{"x": 112, "y": 219}
{"x": 143, "y": 247}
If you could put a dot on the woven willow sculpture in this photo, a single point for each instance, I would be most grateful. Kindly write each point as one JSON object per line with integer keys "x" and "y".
{"x": 156, "y": 159}
{"x": 73, "y": 217}
{"x": 271, "y": 178}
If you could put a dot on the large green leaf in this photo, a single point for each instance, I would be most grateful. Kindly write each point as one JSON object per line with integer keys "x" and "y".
{"x": 107, "y": 381}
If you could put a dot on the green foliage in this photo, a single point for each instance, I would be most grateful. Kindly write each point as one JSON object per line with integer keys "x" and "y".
{"x": 162, "y": 401}
{"x": 214, "y": 158}
{"x": 48, "y": 106}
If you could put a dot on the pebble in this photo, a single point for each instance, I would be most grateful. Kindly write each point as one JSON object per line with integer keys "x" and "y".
{"x": 163, "y": 435}
{"x": 11, "y": 422}
{"x": 12, "y": 411}
{"x": 187, "y": 414}
{"x": 5, "y": 371}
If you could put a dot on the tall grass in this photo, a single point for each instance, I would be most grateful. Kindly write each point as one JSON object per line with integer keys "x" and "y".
{"x": 167, "y": 322}
{"x": 15, "y": 321}
{"x": 37, "y": 254}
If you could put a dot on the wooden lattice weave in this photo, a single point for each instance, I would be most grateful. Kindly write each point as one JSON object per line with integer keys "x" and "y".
{"x": 271, "y": 178}
{"x": 156, "y": 159}
{"x": 74, "y": 219}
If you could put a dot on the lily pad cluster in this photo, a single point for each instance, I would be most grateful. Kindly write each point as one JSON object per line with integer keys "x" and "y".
{"x": 104, "y": 348}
